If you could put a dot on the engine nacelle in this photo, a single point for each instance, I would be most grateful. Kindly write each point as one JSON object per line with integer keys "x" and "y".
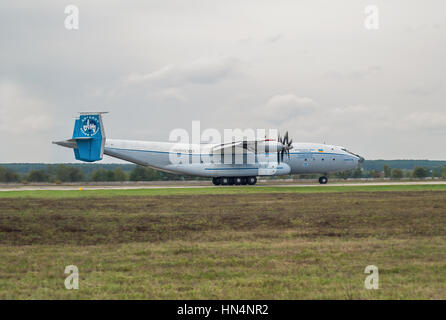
{"x": 271, "y": 146}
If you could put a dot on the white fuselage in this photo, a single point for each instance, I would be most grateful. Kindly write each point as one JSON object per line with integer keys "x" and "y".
{"x": 196, "y": 159}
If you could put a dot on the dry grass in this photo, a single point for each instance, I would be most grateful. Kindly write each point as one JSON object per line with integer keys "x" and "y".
{"x": 225, "y": 246}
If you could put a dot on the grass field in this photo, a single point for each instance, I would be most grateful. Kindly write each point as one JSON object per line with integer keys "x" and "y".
{"x": 225, "y": 243}
{"x": 216, "y": 190}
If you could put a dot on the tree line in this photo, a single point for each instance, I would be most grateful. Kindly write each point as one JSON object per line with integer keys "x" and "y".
{"x": 394, "y": 173}
{"x": 65, "y": 173}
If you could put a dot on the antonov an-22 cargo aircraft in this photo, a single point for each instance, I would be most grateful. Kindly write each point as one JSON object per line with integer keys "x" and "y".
{"x": 259, "y": 157}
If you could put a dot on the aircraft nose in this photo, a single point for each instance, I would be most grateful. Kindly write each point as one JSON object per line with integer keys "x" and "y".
{"x": 359, "y": 160}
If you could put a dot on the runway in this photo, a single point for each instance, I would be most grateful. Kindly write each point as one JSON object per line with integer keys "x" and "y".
{"x": 203, "y": 185}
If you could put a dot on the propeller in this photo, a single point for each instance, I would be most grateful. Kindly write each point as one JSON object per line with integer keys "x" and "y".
{"x": 286, "y": 146}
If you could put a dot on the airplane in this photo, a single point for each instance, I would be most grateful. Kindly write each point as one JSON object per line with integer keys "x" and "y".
{"x": 258, "y": 157}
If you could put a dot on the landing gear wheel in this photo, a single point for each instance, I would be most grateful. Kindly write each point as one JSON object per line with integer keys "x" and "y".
{"x": 251, "y": 180}
{"x": 224, "y": 181}
{"x": 323, "y": 180}
{"x": 238, "y": 181}
{"x": 216, "y": 181}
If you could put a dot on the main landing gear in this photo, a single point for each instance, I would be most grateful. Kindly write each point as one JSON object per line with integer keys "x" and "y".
{"x": 225, "y": 181}
{"x": 323, "y": 180}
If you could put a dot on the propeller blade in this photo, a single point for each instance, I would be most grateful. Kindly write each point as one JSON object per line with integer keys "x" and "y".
{"x": 286, "y": 146}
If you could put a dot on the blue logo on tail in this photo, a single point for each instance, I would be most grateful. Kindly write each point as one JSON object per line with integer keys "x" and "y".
{"x": 89, "y": 125}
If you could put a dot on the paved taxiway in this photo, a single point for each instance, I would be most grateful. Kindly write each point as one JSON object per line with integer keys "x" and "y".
{"x": 270, "y": 184}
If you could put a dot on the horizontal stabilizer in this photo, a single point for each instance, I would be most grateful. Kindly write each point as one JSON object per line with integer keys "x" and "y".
{"x": 67, "y": 143}
{"x": 80, "y": 138}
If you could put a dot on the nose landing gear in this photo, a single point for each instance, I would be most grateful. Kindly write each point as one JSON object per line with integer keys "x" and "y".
{"x": 323, "y": 180}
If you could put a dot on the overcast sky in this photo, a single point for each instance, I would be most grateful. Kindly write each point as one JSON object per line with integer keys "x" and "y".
{"x": 309, "y": 67}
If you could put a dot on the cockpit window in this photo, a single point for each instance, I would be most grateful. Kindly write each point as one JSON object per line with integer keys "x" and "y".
{"x": 354, "y": 154}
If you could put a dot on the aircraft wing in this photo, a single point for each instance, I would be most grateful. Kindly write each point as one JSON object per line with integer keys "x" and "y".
{"x": 240, "y": 146}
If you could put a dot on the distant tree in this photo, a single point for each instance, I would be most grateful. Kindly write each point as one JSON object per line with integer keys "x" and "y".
{"x": 76, "y": 175}
{"x": 62, "y": 173}
{"x": 408, "y": 173}
{"x": 443, "y": 173}
{"x": 110, "y": 175}
{"x": 154, "y": 175}
{"x": 141, "y": 173}
{"x": 138, "y": 174}
{"x": 69, "y": 174}
{"x": 397, "y": 173}
{"x": 436, "y": 172}
{"x": 7, "y": 175}
{"x": 357, "y": 173}
{"x": 38, "y": 176}
{"x": 375, "y": 174}
{"x": 420, "y": 172}
{"x": 387, "y": 171}
{"x": 99, "y": 175}
{"x": 119, "y": 174}
{"x": 343, "y": 174}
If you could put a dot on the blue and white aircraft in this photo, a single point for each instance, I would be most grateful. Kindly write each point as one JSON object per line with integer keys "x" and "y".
{"x": 247, "y": 159}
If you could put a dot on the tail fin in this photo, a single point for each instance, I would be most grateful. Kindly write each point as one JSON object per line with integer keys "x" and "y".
{"x": 89, "y": 136}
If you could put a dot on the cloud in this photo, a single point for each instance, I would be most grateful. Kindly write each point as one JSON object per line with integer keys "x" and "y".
{"x": 26, "y": 125}
{"x": 423, "y": 27}
{"x": 290, "y": 104}
{"x": 425, "y": 89}
{"x": 285, "y": 107}
{"x": 362, "y": 87}
{"x": 424, "y": 120}
{"x": 200, "y": 71}
{"x": 21, "y": 114}
{"x": 173, "y": 94}
{"x": 355, "y": 109}
{"x": 274, "y": 38}
{"x": 364, "y": 118}
{"x": 355, "y": 74}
